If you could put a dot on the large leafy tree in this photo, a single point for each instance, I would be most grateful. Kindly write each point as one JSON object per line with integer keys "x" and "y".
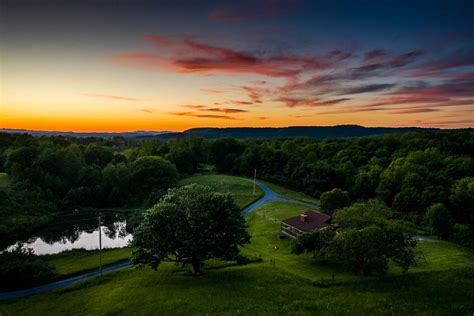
{"x": 224, "y": 152}
{"x": 116, "y": 183}
{"x": 334, "y": 199}
{"x": 366, "y": 181}
{"x": 152, "y": 173}
{"x": 95, "y": 154}
{"x": 370, "y": 249}
{"x": 462, "y": 198}
{"x": 439, "y": 220}
{"x": 366, "y": 242}
{"x": 189, "y": 225}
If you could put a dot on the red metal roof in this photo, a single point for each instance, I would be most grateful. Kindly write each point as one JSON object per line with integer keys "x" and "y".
{"x": 314, "y": 220}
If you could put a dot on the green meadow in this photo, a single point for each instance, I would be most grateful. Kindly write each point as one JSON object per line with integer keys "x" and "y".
{"x": 79, "y": 260}
{"x": 282, "y": 283}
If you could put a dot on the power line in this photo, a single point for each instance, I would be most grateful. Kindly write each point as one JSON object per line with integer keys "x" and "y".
{"x": 100, "y": 247}
{"x": 254, "y": 180}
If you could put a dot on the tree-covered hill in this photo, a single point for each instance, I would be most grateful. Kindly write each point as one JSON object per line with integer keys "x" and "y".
{"x": 317, "y": 132}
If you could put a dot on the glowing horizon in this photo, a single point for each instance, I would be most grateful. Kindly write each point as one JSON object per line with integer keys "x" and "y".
{"x": 132, "y": 66}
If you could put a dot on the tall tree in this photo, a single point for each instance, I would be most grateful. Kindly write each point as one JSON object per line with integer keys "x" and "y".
{"x": 462, "y": 198}
{"x": 189, "y": 225}
{"x": 334, "y": 199}
{"x": 439, "y": 220}
{"x": 152, "y": 173}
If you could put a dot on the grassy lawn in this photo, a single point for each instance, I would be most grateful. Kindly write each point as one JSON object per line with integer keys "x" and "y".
{"x": 240, "y": 189}
{"x": 299, "y": 196}
{"x": 4, "y": 180}
{"x": 443, "y": 255}
{"x": 282, "y": 284}
{"x": 254, "y": 289}
{"x": 79, "y": 260}
{"x": 264, "y": 227}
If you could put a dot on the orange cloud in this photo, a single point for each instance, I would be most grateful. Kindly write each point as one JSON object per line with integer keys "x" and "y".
{"x": 116, "y": 97}
{"x": 225, "y": 117}
{"x": 309, "y": 102}
{"x": 212, "y": 91}
{"x": 225, "y": 110}
{"x": 186, "y": 55}
{"x": 413, "y": 110}
{"x": 193, "y": 106}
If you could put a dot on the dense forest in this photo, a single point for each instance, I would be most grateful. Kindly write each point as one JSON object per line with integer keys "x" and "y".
{"x": 426, "y": 177}
{"x": 319, "y": 132}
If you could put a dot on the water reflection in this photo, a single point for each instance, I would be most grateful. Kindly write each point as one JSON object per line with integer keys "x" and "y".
{"x": 80, "y": 230}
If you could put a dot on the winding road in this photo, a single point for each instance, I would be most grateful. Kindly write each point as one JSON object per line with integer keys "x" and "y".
{"x": 61, "y": 283}
{"x": 268, "y": 196}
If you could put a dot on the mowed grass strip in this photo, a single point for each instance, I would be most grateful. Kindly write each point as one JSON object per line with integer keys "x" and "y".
{"x": 80, "y": 260}
{"x": 291, "y": 194}
{"x": 240, "y": 189}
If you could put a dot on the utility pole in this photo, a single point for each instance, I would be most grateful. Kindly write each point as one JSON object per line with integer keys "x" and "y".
{"x": 100, "y": 247}
{"x": 254, "y": 179}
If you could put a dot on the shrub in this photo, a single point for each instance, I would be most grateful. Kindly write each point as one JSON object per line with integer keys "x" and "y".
{"x": 463, "y": 234}
{"x": 20, "y": 268}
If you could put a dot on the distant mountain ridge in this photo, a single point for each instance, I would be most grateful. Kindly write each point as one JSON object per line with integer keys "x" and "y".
{"x": 133, "y": 134}
{"x": 318, "y": 132}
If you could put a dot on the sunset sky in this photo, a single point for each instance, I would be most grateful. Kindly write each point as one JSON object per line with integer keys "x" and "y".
{"x": 123, "y": 65}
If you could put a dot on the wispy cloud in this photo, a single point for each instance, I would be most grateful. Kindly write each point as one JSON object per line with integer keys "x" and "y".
{"x": 460, "y": 58}
{"x": 187, "y": 55}
{"x": 193, "y": 106}
{"x": 256, "y": 93}
{"x": 334, "y": 78}
{"x": 367, "y": 88}
{"x": 309, "y": 102}
{"x": 211, "y": 116}
{"x": 225, "y": 110}
{"x": 212, "y": 91}
{"x": 440, "y": 123}
{"x": 240, "y": 102}
{"x": 413, "y": 111}
{"x": 107, "y": 96}
{"x": 375, "y": 55}
{"x": 400, "y": 60}
{"x": 301, "y": 116}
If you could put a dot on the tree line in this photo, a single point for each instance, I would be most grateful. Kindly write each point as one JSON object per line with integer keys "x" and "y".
{"x": 426, "y": 178}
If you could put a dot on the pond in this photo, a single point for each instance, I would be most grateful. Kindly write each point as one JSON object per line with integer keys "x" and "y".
{"x": 80, "y": 230}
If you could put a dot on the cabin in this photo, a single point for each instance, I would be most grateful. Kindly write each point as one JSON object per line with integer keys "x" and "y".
{"x": 306, "y": 222}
